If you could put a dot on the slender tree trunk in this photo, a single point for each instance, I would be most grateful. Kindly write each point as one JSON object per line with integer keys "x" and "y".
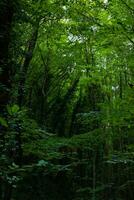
{"x": 6, "y": 15}
{"x": 8, "y": 191}
{"x": 60, "y": 126}
{"x": 46, "y": 83}
{"x": 120, "y": 85}
{"x": 27, "y": 60}
{"x": 73, "y": 117}
{"x": 94, "y": 176}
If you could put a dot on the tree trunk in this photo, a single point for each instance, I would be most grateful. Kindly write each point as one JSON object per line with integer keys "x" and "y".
{"x": 27, "y": 60}
{"x": 6, "y": 15}
{"x": 8, "y": 192}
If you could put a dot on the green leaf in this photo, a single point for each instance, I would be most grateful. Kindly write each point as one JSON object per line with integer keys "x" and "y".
{"x": 3, "y": 122}
{"x": 9, "y": 110}
{"x": 42, "y": 163}
{"x": 13, "y": 109}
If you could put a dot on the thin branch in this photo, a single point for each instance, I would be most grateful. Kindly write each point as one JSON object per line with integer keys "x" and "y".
{"x": 120, "y": 23}
{"x": 131, "y": 9}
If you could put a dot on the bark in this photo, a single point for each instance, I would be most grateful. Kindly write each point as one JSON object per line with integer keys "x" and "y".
{"x": 6, "y": 15}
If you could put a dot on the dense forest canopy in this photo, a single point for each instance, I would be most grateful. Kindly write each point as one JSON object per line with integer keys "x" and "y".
{"x": 66, "y": 99}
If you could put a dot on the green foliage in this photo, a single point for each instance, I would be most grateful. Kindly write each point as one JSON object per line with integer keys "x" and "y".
{"x": 3, "y": 122}
{"x": 70, "y": 135}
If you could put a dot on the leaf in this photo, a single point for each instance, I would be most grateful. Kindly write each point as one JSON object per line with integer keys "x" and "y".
{"x": 3, "y": 122}
{"x": 13, "y": 109}
{"x": 42, "y": 163}
{"x": 9, "y": 110}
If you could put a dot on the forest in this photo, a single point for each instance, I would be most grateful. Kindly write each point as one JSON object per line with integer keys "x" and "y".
{"x": 67, "y": 99}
